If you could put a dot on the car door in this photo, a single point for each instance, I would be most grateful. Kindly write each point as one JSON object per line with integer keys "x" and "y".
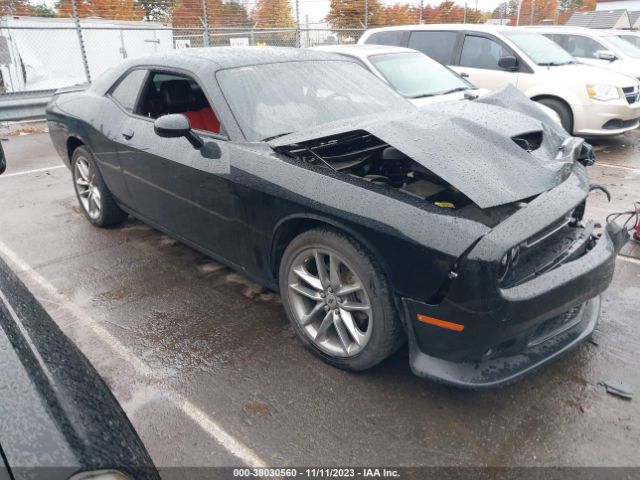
{"x": 582, "y": 47}
{"x": 479, "y": 59}
{"x": 113, "y": 110}
{"x": 173, "y": 185}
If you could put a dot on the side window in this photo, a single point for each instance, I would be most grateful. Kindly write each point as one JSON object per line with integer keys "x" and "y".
{"x": 580, "y": 46}
{"x": 166, "y": 93}
{"x": 391, "y": 37}
{"x": 482, "y": 52}
{"x": 438, "y": 45}
{"x": 127, "y": 90}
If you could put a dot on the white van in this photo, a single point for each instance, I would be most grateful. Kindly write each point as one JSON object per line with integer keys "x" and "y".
{"x": 603, "y": 48}
{"x": 589, "y": 100}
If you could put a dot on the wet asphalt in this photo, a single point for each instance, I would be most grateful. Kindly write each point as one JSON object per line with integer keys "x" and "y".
{"x": 209, "y": 372}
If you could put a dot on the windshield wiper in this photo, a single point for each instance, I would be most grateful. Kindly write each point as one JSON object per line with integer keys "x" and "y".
{"x": 457, "y": 89}
{"x": 555, "y": 64}
{"x": 273, "y": 137}
{"x": 423, "y": 95}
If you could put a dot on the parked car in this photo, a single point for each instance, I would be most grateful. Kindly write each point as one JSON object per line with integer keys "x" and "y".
{"x": 457, "y": 226}
{"x": 602, "y": 48}
{"x": 590, "y": 101}
{"x": 414, "y": 75}
{"x": 59, "y": 420}
{"x": 631, "y": 36}
{"x": 3, "y": 160}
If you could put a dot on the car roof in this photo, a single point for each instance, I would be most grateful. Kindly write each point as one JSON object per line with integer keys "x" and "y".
{"x": 230, "y": 57}
{"x": 620, "y": 31}
{"x": 363, "y": 51}
{"x": 447, "y": 26}
{"x": 569, "y": 30}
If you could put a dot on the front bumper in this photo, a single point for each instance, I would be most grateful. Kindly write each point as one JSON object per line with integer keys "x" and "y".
{"x": 603, "y": 119}
{"x": 496, "y": 371}
{"x": 516, "y": 330}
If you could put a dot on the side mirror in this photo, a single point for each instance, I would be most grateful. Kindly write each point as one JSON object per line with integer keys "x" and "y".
{"x": 508, "y": 62}
{"x": 3, "y": 160}
{"x": 177, "y": 125}
{"x": 606, "y": 55}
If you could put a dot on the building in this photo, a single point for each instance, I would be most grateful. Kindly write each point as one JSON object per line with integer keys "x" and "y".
{"x": 601, "y": 19}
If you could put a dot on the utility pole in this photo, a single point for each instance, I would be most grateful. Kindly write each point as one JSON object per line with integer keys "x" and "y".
{"x": 465, "y": 13}
{"x": 366, "y": 14}
{"x": 518, "y": 14}
{"x": 83, "y": 51}
{"x": 298, "y": 23}
{"x": 306, "y": 27}
{"x": 205, "y": 24}
{"x": 533, "y": 6}
{"x": 421, "y": 12}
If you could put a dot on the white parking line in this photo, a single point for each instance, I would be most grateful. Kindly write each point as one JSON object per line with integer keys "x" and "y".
{"x": 204, "y": 421}
{"x": 621, "y": 167}
{"x": 28, "y": 172}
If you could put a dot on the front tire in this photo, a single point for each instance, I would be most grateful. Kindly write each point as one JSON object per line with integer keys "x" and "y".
{"x": 338, "y": 300}
{"x": 95, "y": 199}
{"x": 563, "y": 111}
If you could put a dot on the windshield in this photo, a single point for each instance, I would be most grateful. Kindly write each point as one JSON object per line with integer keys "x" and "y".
{"x": 415, "y": 75}
{"x": 539, "y": 48}
{"x": 279, "y": 98}
{"x": 624, "y": 46}
{"x": 633, "y": 39}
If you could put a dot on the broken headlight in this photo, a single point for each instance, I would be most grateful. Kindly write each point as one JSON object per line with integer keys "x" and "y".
{"x": 510, "y": 259}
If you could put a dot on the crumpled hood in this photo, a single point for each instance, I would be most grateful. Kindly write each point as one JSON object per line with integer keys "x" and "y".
{"x": 468, "y": 144}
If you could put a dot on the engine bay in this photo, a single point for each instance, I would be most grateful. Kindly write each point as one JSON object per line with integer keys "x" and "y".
{"x": 363, "y": 155}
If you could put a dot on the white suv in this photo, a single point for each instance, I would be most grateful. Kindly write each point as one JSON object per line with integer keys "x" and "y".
{"x": 603, "y": 48}
{"x": 589, "y": 100}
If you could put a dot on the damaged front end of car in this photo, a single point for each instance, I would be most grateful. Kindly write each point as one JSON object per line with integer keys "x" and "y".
{"x": 528, "y": 289}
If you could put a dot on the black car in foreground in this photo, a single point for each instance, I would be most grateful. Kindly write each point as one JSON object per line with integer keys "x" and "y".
{"x": 457, "y": 227}
{"x": 58, "y": 419}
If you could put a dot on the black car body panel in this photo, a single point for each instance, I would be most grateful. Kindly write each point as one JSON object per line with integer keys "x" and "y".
{"x": 497, "y": 178}
{"x": 58, "y": 416}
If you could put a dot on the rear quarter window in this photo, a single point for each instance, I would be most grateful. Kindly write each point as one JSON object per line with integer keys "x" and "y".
{"x": 438, "y": 45}
{"x": 126, "y": 91}
{"x": 392, "y": 38}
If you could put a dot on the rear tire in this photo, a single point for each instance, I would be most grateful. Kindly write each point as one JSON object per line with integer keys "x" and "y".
{"x": 95, "y": 199}
{"x": 563, "y": 111}
{"x": 342, "y": 311}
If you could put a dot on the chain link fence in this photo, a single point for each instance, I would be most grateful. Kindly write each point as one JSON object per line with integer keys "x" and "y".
{"x": 42, "y": 55}
{"x": 44, "y": 48}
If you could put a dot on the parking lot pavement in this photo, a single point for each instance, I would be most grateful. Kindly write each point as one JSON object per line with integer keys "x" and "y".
{"x": 209, "y": 372}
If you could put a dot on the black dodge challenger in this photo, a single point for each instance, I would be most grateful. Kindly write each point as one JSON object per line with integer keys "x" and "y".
{"x": 457, "y": 227}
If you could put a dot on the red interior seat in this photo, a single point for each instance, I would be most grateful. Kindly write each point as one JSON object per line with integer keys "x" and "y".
{"x": 204, "y": 119}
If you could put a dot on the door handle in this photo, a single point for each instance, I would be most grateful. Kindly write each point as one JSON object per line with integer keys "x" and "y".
{"x": 128, "y": 134}
{"x": 464, "y": 74}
